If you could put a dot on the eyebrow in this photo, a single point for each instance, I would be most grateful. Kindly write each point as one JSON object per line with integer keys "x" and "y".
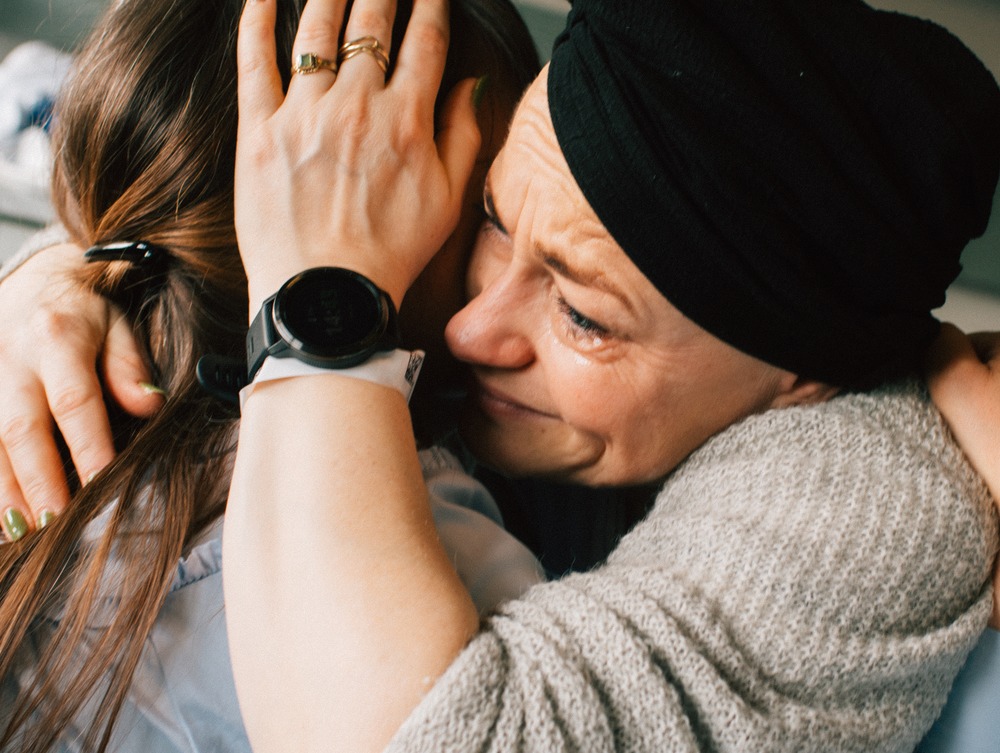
{"x": 555, "y": 261}
{"x": 588, "y": 277}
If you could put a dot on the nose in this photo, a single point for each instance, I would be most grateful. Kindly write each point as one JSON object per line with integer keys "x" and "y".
{"x": 493, "y": 329}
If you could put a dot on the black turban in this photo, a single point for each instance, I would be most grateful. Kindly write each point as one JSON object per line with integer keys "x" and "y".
{"x": 798, "y": 177}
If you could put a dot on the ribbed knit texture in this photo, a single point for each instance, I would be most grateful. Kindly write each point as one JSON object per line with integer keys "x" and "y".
{"x": 812, "y": 579}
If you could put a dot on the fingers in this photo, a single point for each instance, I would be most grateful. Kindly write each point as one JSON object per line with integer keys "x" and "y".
{"x": 369, "y": 19}
{"x": 458, "y": 137}
{"x": 76, "y": 402}
{"x": 32, "y": 479}
{"x": 423, "y": 52}
{"x": 318, "y": 34}
{"x": 126, "y": 375}
{"x": 15, "y": 514}
{"x": 259, "y": 82}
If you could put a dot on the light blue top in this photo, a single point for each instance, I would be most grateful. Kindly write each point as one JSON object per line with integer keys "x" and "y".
{"x": 183, "y": 698}
{"x": 970, "y": 723}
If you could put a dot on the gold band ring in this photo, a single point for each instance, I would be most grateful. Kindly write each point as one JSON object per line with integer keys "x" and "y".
{"x": 309, "y": 62}
{"x": 368, "y": 45}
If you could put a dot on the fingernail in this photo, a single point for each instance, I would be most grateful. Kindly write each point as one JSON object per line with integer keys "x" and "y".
{"x": 151, "y": 389}
{"x": 45, "y": 517}
{"x": 479, "y": 91}
{"x": 15, "y": 523}
{"x": 90, "y": 478}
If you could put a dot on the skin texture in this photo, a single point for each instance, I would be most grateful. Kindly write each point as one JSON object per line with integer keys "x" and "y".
{"x": 49, "y": 381}
{"x": 391, "y": 615}
{"x": 963, "y": 374}
{"x": 329, "y": 547}
{"x": 573, "y": 348}
{"x": 394, "y": 613}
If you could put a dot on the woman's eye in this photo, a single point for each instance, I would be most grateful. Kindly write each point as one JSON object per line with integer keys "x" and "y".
{"x": 492, "y": 225}
{"x": 581, "y": 323}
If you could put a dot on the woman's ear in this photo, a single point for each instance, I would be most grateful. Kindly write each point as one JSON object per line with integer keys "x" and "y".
{"x": 796, "y": 390}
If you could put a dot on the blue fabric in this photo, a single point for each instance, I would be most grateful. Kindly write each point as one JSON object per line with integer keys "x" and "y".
{"x": 183, "y": 698}
{"x": 970, "y": 723}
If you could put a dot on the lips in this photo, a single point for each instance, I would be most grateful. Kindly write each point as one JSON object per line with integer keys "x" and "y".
{"x": 498, "y": 403}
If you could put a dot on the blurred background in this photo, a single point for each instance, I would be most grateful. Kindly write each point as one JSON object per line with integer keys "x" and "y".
{"x": 973, "y": 302}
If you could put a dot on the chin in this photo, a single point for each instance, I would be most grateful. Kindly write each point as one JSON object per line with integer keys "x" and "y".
{"x": 527, "y": 452}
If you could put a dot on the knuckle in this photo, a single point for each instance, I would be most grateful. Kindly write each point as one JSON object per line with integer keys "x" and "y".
{"x": 371, "y": 21}
{"x": 70, "y": 400}
{"x": 249, "y": 66}
{"x": 9, "y": 488}
{"x": 52, "y": 325}
{"x": 259, "y": 152}
{"x": 317, "y": 40}
{"x": 354, "y": 123}
{"x": 431, "y": 39}
{"x": 39, "y": 491}
{"x": 410, "y": 134}
{"x": 18, "y": 430}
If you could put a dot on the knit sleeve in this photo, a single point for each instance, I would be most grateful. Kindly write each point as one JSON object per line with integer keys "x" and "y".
{"x": 811, "y": 579}
{"x": 50, "y": 236}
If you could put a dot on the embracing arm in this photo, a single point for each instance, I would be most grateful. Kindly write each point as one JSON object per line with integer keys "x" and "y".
{"x": 790, "y": 607}
{"x": 779, "y": 597}
{"x": 330, "y": 547}
{"x": 964, "y": 380}
{"x": 340, "y": 560}
{"x": 56, "y": 338}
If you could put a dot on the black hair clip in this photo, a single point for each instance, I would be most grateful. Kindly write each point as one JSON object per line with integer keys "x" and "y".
{"x": 139, "y": 253}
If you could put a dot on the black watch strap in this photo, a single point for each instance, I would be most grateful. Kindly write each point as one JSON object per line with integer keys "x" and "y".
{"x": 264, "y": 338}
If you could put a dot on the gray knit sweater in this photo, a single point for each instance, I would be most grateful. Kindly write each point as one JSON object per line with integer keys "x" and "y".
{"x": 809, "y": 580}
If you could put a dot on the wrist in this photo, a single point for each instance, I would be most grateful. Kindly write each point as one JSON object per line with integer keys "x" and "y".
{"x": 327, "y": 317}
{"x": 265, "y": 283}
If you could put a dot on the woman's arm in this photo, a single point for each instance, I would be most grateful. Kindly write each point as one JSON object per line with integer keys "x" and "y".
{"x": 330, "y": 548}
{"x": 964, "y": 381}
{"x": 61, "y": 346}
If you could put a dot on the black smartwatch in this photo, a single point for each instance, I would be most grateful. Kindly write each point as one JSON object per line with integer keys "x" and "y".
{"x": 328, "y": 317}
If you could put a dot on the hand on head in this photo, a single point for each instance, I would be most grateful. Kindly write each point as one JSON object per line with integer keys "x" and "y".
{"x": 963, "y": 374}
{"x": 64, "y": 349}
{"x": 332, "y": 174}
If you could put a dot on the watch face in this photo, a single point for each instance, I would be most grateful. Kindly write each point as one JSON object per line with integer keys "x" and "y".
{"x": 329, "y": 313}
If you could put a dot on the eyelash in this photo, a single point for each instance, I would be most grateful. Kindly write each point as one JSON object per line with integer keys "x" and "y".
{"x": 492, "y": 224}
{"x": 580, "y": 323}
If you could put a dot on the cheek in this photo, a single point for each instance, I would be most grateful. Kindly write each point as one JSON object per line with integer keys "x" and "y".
{"x": 595, "y": 398}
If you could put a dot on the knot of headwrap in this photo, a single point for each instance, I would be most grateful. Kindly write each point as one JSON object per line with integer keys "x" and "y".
{"x": 798, "y": 177}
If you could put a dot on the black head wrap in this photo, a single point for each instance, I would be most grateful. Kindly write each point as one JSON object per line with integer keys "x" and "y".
{"x": 798, "y": 177}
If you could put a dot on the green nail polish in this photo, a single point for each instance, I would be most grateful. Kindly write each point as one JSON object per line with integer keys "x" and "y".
{"x": 479, "y": 90}
{"x": 46, "y": 517}
{"x": 16, "y": 525}
{"x": 152, "y": 389}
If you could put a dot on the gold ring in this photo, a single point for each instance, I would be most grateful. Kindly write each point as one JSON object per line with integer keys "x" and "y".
{"x": 309, "y": 62}
{"x": 368, "y": 45}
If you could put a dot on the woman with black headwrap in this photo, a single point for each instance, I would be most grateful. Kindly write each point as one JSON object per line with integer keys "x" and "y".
{"x": 707, "y": 217}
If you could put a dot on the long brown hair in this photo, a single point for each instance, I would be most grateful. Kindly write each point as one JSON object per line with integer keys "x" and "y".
{"x": 144, "y": 149}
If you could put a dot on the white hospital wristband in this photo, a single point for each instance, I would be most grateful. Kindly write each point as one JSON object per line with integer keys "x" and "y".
{"x": 395, "y": 368}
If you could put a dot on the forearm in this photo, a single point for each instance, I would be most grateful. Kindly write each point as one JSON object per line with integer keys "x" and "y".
{"x": 330, "y": 545}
